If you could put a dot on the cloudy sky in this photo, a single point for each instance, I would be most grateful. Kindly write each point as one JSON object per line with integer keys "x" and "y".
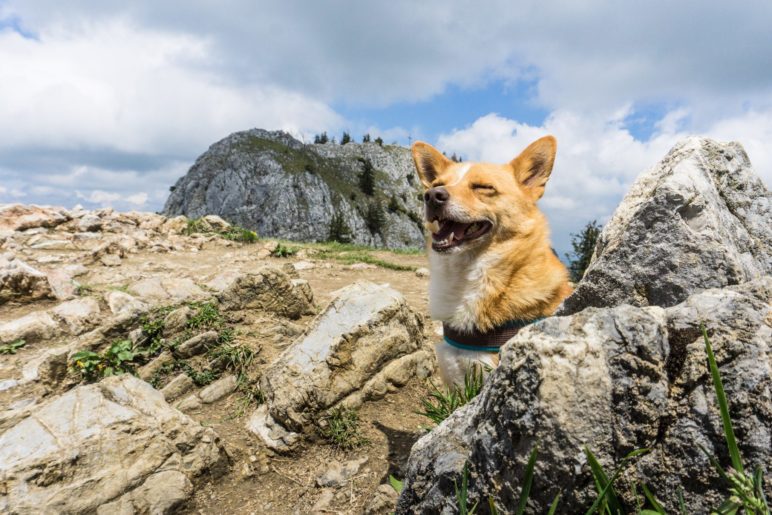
{"x": 107, "y": 103}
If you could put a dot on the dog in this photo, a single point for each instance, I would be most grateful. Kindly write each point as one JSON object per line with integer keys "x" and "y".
{"x": 492, "y": 269}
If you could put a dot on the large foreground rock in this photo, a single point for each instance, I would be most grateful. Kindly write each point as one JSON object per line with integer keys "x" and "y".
{"x": 110, "y": 447}
{"x": 699, "y": 219}
{"x": 22, "y": 283}
{"x": 367, "y": 339}
{"x": 614, "y": 380}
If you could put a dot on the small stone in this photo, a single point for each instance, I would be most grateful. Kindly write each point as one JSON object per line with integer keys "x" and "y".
{"x": 218, "y": 389}
{"x": 322, "y": 504}
{"x": 197, "y": 344}
{"x": 216, "y": 223}
{"x": 110, "y": 260}
{"x": 147, "y": 371}
{"x": 383, "y": 501}
{"x": 124, "y": 304}
{"x": 90, "y": 223}
{"x": 303, "y": 265}
{"x": 337, "y": 475}
{"x": 189, "y": 403}
{"x": 78, "y": 314}
{"x": 176, "y": 320}
{"x": 422, "y": 272}
{"x": 177, "y": 387}
{"x": 361, "y": 266}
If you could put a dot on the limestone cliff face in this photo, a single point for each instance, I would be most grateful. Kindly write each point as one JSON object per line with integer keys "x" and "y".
{"x": 274, "y": 184}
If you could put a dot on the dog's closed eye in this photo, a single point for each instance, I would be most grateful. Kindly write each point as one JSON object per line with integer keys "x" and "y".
{"x": 486, "y": 188}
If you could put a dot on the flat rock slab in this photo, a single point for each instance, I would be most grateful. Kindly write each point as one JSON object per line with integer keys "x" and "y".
{"x": 116, "y": 443}
{"x": 347, "y": 350}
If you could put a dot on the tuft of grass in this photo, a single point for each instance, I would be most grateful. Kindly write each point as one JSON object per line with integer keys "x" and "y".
{"x": 283, "y": 251}
{"x": 607, "y": 501}
{"x": 232, "y": 357}
{"x": 11, "y": 348}
{"x": 341, "y": 428}
{"x": 746, "y": 490}
{"x": 462, "y": 494}
{"x": 441, "y": 403}
{"x": 233, "y": 233}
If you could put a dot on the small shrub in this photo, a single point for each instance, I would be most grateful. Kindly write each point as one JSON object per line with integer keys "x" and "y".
{"x": 236, "y": 358}
{"x": 346, "y": 138}
{"x": 282, "y": 251}
{"x": 441, "y": 404}
{"x": 116, "y": 359}
{"x": 236, "y": 233}
{"x": 366, "y": 138}
{"x": 339, "y": 229}
{"x": 340, "y": 427}
{"x": 583, "y": 244}
{"x": 367, "y": 178}
{"x": 374, "y": 218}
{"x": 379, "y": 141}
{"x": 11, "y": 348}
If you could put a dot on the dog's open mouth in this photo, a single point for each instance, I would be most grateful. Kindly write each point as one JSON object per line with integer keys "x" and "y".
{"x": 447, "y": 234}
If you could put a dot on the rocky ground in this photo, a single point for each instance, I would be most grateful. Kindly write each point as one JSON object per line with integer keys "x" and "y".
{"x": 238, "y": 361}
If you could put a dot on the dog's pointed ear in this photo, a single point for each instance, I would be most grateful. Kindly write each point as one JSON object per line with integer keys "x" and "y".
{"x": 534, "y": 165}
{"x": 429, "y": 162}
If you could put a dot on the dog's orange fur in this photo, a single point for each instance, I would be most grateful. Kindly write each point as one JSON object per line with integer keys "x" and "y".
{"x": 524, "y": 279}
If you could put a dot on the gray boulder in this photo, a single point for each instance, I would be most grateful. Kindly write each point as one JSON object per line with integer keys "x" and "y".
{"x": 22, "y": 283}
{"x": 271, "y": 290}
{"x": 699, "y": 219}
{"x": 110, "y": 447}
{"x": 613, "y": 380}
{"x": 274, "y": 184}
{"x": 367, "y": 339}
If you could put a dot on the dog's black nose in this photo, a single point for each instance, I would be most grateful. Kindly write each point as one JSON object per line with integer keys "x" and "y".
{"x": 436, "y": 196}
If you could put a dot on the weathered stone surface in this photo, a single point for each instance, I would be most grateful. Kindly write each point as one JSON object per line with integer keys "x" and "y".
{"x": 123, "y": 304}
{"x": 177, "y": 387}
{"x": 699, "y": 219}
{"x": 33, "y": 327}
{"x": 271, "y": 290}
{"x": 79, "y": 314}
{"x": 18, "y": 217}
{"x": 336, "y": 474}
{"x": 146, "y": 372}
{"x": 21, "y": 282}
{"x": 272, "y": 183}
{"x": 218, "y": 389}
{"x": 126, "y": 448}
{"x": 166, "y": 289}
{"x": 382, "y": 502}
{"x": 614, "y": 380}
{"x": 365, "y": 329}
{"x": 197, "y": 344}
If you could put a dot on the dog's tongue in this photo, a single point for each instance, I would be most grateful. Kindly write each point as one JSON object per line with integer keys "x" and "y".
{"x": 447, "y": 227}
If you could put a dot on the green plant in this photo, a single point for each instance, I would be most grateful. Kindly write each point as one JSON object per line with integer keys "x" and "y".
{"x": 394, "y": 206}
{"x": 366, "y": 138}
{"x": 116, "y": 359}
{"x": 282, "y": 251}
{"x": 240, "y": 234}
{"x": 11, "y": 348}
{"x": 583, "y": 244}
{"x": 462, "y": 494}
{"x": 346, "y": 138}
{"x": 396, "y": 484}
{"x": 236, "y": 358}
{"x": 339, "y": 229}
{"x": 746, "y": 490}
{"x": 607, "y": 501}
{"x": 321, "y": 139}
{"x": 379, "y": 141}
{"x": 340, "y": 427}
{"x": 367, "y": 178}
{"x": 441, "y": 404}
{"x": 84, "y": 289}
{"x": 374, "y": 218}
{"x": 199, "y": 377}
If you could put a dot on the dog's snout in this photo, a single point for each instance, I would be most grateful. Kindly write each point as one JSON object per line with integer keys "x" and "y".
{"x": 436, "y": 196}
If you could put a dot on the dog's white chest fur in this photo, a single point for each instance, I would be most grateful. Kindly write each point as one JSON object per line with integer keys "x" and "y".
{"x": 455, "y": 287}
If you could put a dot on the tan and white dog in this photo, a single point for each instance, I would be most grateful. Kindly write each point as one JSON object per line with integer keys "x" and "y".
{"x": 493, "y": 270}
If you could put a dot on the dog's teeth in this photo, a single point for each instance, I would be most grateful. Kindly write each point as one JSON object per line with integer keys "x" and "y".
{"x": 450, "y": 238}
{"x": 433, "y": 226}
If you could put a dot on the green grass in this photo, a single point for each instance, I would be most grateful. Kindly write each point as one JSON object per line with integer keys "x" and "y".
{"x": 233, "y": 233}
{"x": 340, "y": 427}
{"x": 441, "y": 403}
{"x": 11, "y": 348}
{"x": 283, "y": 251}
